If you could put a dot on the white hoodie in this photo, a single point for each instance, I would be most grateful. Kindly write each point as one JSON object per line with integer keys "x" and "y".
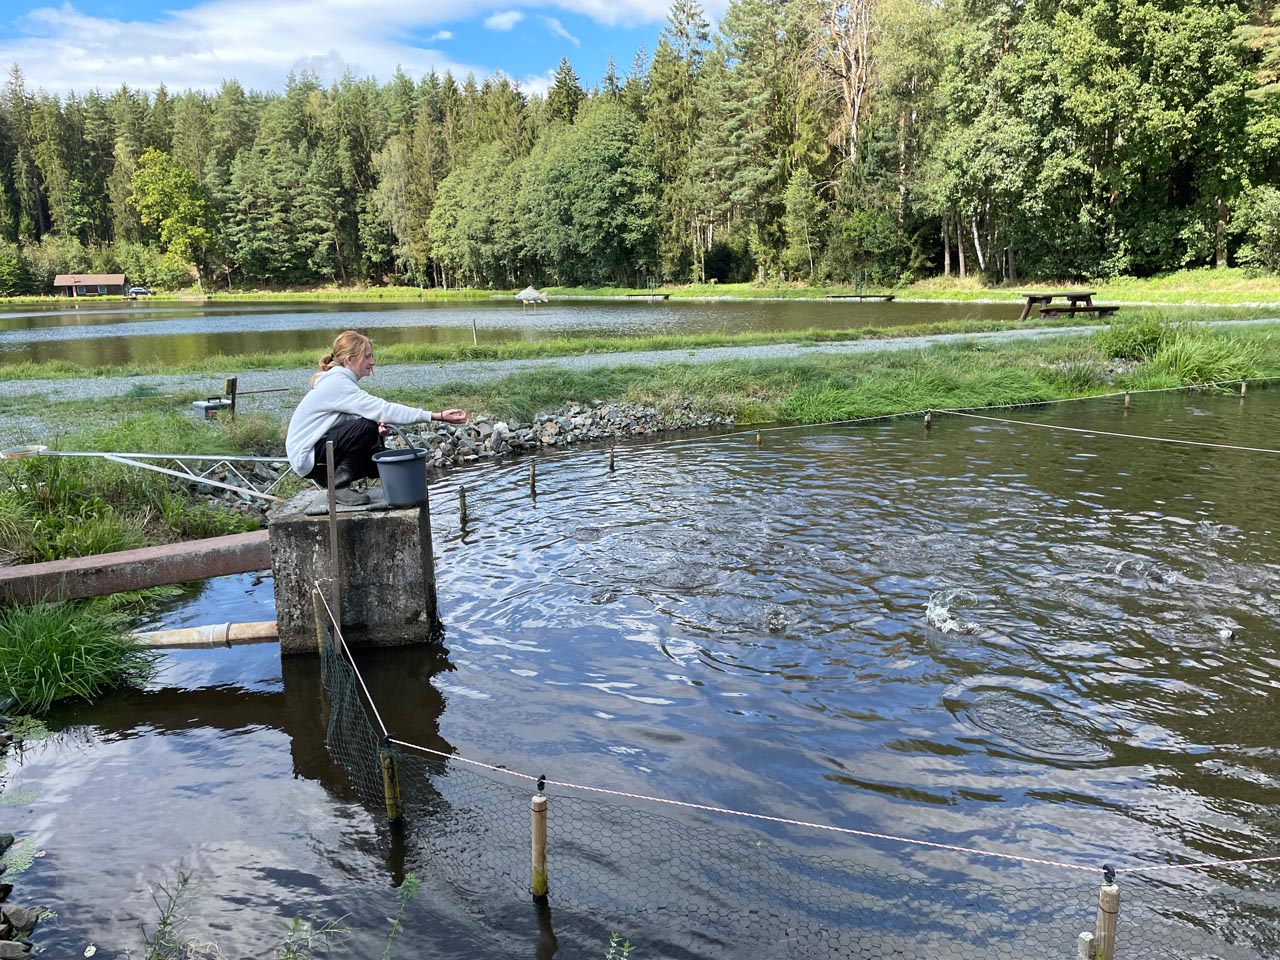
{"x": 334, "y": 394}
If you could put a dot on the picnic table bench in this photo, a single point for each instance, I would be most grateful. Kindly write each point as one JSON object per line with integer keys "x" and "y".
{"x": 1077, "y": 301}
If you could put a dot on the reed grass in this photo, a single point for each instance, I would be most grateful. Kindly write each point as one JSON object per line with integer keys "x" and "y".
{"x": 52, "y": 652}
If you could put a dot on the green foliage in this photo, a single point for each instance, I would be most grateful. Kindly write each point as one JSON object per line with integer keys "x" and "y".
{"x": 58, "y": 651}
{"x": 166, "y": 942}
{"x": 54, "y": 507}
{"x": 1201, "y": 357}
{"x": 19, "y": 857}
{"x": 618, "y": 949}
{"x": 170, "y": 199}
{"x": 1134, "y": 339}
{"x": 1095, "y": 139}
{"x": 405, "y": 893}
{"x": 303, "y": 939}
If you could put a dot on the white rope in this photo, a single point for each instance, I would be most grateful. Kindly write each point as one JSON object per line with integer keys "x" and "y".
{"x": 1108, "y": 433}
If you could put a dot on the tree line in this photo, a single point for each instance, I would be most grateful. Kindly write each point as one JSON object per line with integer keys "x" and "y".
{"x": 868, "y": 141}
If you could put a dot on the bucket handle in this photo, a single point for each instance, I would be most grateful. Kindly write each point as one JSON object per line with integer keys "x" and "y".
{"x": 401, "y": 435}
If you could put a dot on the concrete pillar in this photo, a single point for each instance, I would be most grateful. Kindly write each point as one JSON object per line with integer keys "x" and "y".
{"x": 386, "y": 572}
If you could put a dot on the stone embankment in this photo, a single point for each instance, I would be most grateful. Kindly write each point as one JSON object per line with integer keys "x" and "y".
{"x": 454, "y": 446}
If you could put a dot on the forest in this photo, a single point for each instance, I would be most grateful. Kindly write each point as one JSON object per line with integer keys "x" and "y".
{"x": 811, "y": 141}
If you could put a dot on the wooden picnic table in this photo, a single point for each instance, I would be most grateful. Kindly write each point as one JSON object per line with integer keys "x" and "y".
{"x": 1077, "y": 301}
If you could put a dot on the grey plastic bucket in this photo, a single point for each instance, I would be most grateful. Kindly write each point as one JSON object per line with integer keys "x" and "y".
{"x": 403, "y": 473}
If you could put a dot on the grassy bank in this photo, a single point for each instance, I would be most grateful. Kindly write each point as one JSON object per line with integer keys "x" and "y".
{"x": 219, "y": 365}
{"x": 1139, "y": 355}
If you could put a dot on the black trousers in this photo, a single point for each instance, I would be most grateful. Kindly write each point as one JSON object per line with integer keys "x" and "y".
{"x": 355, "y": 441}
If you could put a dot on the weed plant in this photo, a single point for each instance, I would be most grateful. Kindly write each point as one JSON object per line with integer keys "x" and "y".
{"x": 51, "y": 652}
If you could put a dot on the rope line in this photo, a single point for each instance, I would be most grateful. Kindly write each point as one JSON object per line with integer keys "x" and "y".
{"x": 1109, "y": 433}
{"x": 337, "y": 632}
{"x": 728, "y": 811}
{"x": 745, "y": 814}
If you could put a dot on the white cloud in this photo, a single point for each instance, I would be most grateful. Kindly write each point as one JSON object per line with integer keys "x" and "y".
{"x": 503, "y": 21}
{"x": 258, "y": 42}
{"x": 556, "y": 27}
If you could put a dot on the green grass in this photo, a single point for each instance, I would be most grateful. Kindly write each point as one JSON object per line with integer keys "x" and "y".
{"x": 51, "y": 652}
{"x": 219, "y": 364}
{"x": 823, "y": 387}
{"x": 53, "y": 508}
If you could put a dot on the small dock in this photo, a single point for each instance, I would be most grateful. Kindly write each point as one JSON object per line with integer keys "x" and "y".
{"x": 646, "y": 296}
{"x": 882, "y": 297}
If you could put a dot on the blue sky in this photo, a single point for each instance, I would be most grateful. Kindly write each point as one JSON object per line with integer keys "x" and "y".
{"x": 82, "y": 44}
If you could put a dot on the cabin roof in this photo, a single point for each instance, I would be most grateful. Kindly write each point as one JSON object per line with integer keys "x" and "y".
{"x": 72, "y": 279}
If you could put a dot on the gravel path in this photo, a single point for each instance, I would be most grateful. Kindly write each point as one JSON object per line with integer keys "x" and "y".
{"x": 29, "y": 429}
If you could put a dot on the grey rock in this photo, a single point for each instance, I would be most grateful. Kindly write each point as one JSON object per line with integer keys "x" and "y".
{"x": 24, "y": 919}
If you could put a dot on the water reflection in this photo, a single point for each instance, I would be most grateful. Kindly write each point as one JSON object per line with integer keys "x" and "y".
{"x": 112, "y": 334}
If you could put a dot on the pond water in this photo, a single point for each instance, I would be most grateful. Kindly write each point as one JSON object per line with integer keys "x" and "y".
{"x": 139, "y": 331}
{"x": 1031, "y": 642}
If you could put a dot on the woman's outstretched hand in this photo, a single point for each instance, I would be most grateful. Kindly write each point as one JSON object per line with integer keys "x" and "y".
{"x": 453, "y": 416}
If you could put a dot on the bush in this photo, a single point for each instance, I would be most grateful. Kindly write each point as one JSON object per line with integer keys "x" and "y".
{"x": 1199, "y": 357}
{"x": 1135, "y": 339}
{"x": 61, "y": 651}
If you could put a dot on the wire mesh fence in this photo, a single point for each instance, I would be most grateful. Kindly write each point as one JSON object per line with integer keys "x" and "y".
{"x": 689, "y": 885}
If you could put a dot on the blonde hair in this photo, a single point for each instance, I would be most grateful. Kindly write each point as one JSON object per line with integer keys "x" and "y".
{"x": 345, "y": 345}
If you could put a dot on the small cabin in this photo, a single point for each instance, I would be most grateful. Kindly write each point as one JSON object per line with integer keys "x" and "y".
{"x": 89, "y": 284}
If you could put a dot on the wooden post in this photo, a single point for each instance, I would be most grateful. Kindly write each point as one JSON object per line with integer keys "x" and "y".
{"x": 1126, "y": 399}
{"x": 759, "y": 439}
{"x": 538, "y": 816}
{"x": 428, "y": 561}
{"x": 1244, "y": 385}
{"x": 611, "y": 461}
{"x": 533, "y": 480}
{"x": 1084, "y": 947}
{"x": 229, "y": 388}
{"x": 1104, "y": 931}
{"x": 928, "y": 421}
{"x": 390, "y": 784}
{"x": 475, "y": 336}
{"x": 335, "y": 592}
{"x": 462, "y": 505}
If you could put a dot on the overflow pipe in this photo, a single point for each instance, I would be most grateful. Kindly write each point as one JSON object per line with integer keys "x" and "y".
{"x": 210, "y": 635}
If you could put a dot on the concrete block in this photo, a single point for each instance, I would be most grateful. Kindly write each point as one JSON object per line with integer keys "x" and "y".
{"x": 386, "y": 573}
